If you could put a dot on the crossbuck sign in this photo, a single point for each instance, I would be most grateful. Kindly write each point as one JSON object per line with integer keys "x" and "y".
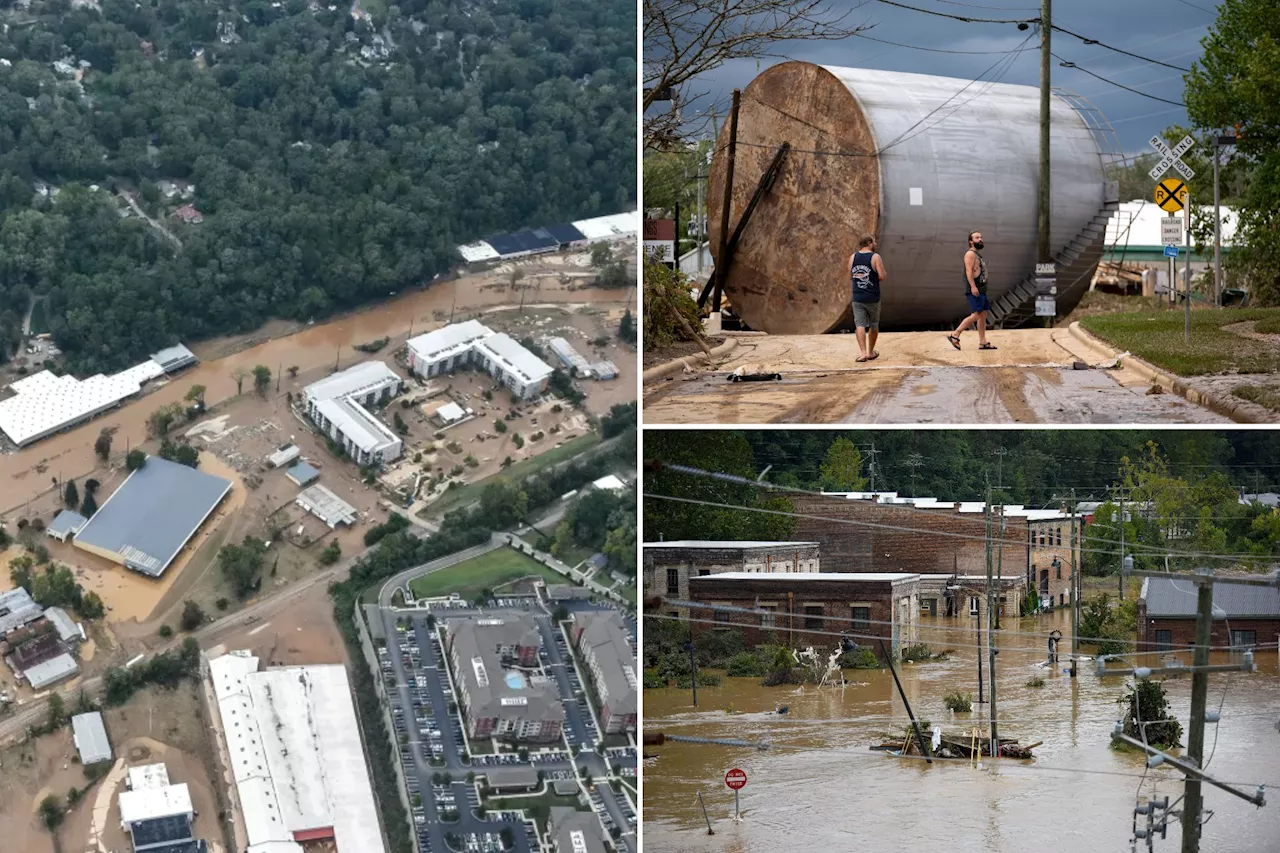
{"x": 1170, "y": 158}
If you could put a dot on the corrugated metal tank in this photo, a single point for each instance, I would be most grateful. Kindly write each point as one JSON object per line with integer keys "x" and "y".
{"x": 908, "y": 157}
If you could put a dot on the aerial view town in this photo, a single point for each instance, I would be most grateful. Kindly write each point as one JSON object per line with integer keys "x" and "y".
{"x": 318, "y": 428}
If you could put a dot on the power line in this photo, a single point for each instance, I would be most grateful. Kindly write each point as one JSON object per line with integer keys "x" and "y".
{"x": 1183, "y": 2}
{"x": 996, "y": 8}
{"x": 1088, "y": 40}
{"x": 965, "y": 18}
{"x": 1067, "y": 64}
{"x": 941, "y": 50}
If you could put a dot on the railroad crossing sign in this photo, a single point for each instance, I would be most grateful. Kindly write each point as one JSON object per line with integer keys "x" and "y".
{"x": 736, "y": 779}
{"x": 1171, "y": 230}
{"x": 1170, "y": 158}
{"x": 1171, "y": 195}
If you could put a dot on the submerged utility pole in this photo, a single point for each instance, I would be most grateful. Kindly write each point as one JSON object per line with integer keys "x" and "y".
{"x": 991, "y": 636}
{"x": 1199, "y": 693}
{"x": 1075, "y": 587}
{"x": 1044, "y": 252}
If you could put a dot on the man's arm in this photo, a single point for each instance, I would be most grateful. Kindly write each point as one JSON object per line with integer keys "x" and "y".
{"x": 971, "y": 269}
{"x": 878, "y": 265}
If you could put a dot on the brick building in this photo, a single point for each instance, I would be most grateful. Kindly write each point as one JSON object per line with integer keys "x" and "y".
{"x": 606, "y": 650}
{"x": 966, "y": 595}
{"x": 1167, "y": 615}
{"x": 669, "y": 565}
{"x": 937, "y": 537}
{"x": 1052, "y": 561}
{"x": 870, "y": 605}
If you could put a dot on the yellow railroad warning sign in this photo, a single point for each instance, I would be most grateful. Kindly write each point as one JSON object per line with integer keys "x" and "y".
{"x": 1171, "y": 195}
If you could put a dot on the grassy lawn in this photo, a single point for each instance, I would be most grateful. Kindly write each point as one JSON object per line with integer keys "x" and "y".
{"x": 1157, "y": 337}
{"x": 460, "y": 496}
{"x": 1263, "y": 396}
{"x": 470, "y": 577}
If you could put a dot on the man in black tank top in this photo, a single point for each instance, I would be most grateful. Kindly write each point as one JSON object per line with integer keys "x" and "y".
{"x": 866, "y": 274}
{"x": 975, "y": 289}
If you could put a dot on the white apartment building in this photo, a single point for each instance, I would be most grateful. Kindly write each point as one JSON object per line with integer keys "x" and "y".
{"x": 473, "y": 343}
{"x": 338, "y": 404}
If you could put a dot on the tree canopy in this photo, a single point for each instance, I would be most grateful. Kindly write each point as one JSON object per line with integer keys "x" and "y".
{"x": 333, "y": 159}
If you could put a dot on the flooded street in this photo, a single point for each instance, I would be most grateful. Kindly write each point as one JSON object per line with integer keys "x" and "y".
{"x": 819, "y": 788}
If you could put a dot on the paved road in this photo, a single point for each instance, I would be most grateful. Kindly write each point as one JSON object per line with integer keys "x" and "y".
{"x": 619, "y": 810}
{"x": 576, "y": 729}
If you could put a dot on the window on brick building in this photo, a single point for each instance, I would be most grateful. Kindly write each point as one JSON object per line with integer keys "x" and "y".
{"x": 1059, "y": 543}
{"x": 767, "y": 620}
{"x": 1244, "y": 639}
{"x": 673, "y": 581}
{"x": 1164, "y": 641}
{"x": 861, "y": 618}
{"x": 722, "y": 619}
{"x": 813, "y": 617}
{"x": 702, "y": 573}
{"x": 1059, "y": 568}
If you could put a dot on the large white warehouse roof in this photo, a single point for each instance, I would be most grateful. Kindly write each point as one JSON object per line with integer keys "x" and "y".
{"x": 610, "y": 227}
{"x": 296, "y": 754}
{"x": 450, "y": 340}
{"x": 46, "y": 403}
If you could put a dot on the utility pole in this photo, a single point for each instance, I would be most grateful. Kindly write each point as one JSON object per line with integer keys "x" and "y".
{"x": 1000, "y": 453}
{"x": 1186, "y": 325}
{"x": 693, "y": 672}
{"x": 871, "y": 466}
{"x": 1195, "y": 734}
{"x": 991, "y": 637}
{"x": 1044, "y": 252}
{"x": 1217, "y": 229}
{"x": 722, "y": 260}
{"x": 1075, "y": 585}
{"x": 1121, "y": 572}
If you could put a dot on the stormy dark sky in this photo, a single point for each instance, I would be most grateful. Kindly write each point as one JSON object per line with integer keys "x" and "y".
{"x": 1168, "y": 30}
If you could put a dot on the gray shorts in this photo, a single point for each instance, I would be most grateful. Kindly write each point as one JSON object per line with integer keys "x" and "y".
{"x": 866, "y": 315}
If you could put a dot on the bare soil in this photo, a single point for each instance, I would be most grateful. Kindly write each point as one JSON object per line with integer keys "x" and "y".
{"x": 678, "y": 349}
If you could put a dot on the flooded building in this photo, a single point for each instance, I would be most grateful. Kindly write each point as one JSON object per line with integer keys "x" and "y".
{"x": 806, "y": 608}
{"x": 340, "y": 406}
{"x": 884, "y": 532}
{"x": 669, "y": 565}
{"x": 1244, "y": 615}
{"x": 966, "y": 595}
{"x": 1052, "y": 560}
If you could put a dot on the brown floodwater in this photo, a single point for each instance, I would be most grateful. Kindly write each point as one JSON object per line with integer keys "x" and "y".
{"x": 831, "y": 793}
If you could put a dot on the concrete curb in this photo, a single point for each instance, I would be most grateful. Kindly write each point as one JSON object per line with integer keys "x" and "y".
{"x": 664, "y": 370}
{"x": 1213, "y": 402}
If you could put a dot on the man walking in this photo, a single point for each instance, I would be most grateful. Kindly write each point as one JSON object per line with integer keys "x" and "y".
{"x": 975, "y": 279}
{"x": 866, "y": 270}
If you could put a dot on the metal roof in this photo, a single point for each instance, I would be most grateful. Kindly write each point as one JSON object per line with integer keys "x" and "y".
{"x": 502, "y": 347}
{"x": 302, "y": 473}
{"x": 522, "y": 242}
{"x": 325, "y": 505}
{"x": 575, "y": 831}
{"x": 358, "y": 424}
{"x": 90, "y": 737}
{"x": 46, "y": 403}
{"x": 66, "y": 521}
{"x": 51, "y": 671}
{"x": 565, "y": 232}
{"x": 153, "y": 514}
{"x": 283, "y": 456}
{"x": 68, "y": 630}
{"x": 480, "y": 251}
{"x": 1167, "y": 597}
{"x": 174, "y": 358}
{"x": 610, "y": 227}
{"x": 449, "y": 340}
{"x": 358, "y": 379}
{"x": 17, "y": 609}
{"x": 154, "y": 803}
{"x": 567, "y": 354}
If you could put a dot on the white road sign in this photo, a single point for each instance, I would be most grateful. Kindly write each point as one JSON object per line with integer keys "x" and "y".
{"x": 1171, "y": 230}
{"x": 1170, "y": 158}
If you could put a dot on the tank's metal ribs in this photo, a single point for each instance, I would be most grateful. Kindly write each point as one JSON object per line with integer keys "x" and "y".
{"x": 766, "y": 183}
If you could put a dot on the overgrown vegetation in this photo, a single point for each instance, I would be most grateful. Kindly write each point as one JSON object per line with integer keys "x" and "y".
{"x": 670, "y": 313}
{"x": 961, "y": 703}
{"x": 1116, "y": 627}
{"x": 165, "y": 669}
{"x": 242, "y": 565}
{"x": 1146, "y": 706}
{"x": 55, "y": 586}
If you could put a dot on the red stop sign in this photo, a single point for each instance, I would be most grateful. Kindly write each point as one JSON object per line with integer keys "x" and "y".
{"x": 735, "y": 779}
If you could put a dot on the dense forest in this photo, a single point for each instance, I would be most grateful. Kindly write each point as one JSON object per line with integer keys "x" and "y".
{"x": 1187, "y": 483}
{"x": 334, "y": 158}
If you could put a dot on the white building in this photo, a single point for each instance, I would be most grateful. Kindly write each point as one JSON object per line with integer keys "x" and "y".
{"x": 154, "y": 812}
{"x": 293, "y": 746}
{"x": 575, "y": 361}
{"x": 610, "y": 229}
{"x": 326, "y": 506}
{"x": 473, "y": 343}
{"x": 338, "y": 406}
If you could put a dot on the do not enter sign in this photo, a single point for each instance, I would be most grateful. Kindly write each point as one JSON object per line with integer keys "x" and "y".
{"x": 735, "y": 779}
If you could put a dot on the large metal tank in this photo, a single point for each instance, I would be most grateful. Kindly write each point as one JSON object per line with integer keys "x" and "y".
{"x": 908, "y": 157}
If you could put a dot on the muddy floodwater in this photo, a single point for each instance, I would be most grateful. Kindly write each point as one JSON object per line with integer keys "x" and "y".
{"x": 825, "y": 791}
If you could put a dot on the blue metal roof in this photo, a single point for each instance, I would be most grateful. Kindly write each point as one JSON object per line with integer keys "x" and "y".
{"x": 67, "y": 521}
{"x": 302, "y": 473}
{"x": 153, "y": 514}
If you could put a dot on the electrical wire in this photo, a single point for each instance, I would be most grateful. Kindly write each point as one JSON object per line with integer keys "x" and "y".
{"x": 1088, "y": 40}
{"x": 965, "y": 18}
{"x": 1067, "y": 64}
{"x": 941, "y": 50}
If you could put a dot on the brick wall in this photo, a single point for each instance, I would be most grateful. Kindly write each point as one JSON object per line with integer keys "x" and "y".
{"x": 1044, "y": 538}
{"x": 859, "y": 548}
{"x": 792, "y": 602}
{"x": 1183, "y": 630}
{"x": 690, "y": 562}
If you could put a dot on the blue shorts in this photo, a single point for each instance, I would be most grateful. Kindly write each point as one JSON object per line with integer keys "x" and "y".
{"x": 979, "y": 303}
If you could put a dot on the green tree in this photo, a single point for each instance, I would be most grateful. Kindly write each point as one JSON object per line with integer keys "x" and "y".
{"x": 192, "y": 615}
{"x": 57, "y": 710}
{"x": 242, "y": 565}
{"x": 89, "y": 505}
{"x": 332, "y": 553}
{"x": 1234, "y": 83}
{"x": 71, "y": 495}
{"x": 499, "y": 426}
{"x": 627, "y": 328}
{"x": 51, "y": 812}
{"x": 135, "y": 460}
{"x": 841, "y": 470}
{"x": 239, "y": 375}
{"x": 195, "y": 394}
{"x": 102, "y": 446}
{"x": 601, "y": 255}
{"x": 261, "y": 379}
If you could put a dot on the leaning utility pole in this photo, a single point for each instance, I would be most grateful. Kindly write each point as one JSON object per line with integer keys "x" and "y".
{"x": 991, "y": 637}
{"x": 1044, "y": 252}
{"x": 1195, "y": 734}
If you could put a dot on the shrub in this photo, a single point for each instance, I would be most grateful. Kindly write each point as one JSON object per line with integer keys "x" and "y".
{"x": 860, "y": 659}
{"x": 666, "y": 301}
{"x": 744, "y": 665}
{"x": 192, "y": 615}
{"x": 916, "y": 652}
{"x": 51, "y": 812}
{"x": 1035, "y": 682}
{"x": 1147, "y": 704}
{"x": 221, "y": 604}
{"x": 958, "y": 702}
{"x": 166, "y": 631}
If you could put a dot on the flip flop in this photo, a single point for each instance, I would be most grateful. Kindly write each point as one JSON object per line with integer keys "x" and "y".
{"x": 874, "y": 356}
{"x": 955, "y": 341}
{"x": 988, "y": 345}
{"x": 860, "y": 359}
